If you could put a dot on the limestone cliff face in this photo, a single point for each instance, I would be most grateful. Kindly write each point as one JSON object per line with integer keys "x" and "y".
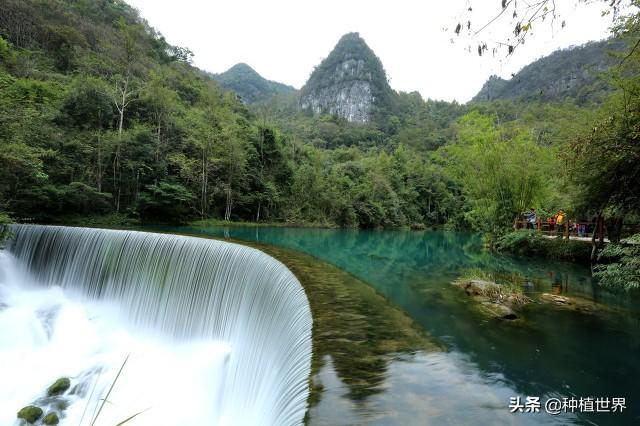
{"x": 350, "y": 83}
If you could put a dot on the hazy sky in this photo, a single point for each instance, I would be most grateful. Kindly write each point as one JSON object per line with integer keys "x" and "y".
{"x": 284, "y": 39}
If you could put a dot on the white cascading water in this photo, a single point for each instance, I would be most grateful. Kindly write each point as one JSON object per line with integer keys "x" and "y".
{"x": 215, "y": 333}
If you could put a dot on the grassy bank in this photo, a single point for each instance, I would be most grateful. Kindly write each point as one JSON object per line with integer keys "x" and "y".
{"x": 532, "y": 243}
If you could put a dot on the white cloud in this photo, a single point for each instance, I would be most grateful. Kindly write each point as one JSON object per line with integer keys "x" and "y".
{"x": 283, "y": 40}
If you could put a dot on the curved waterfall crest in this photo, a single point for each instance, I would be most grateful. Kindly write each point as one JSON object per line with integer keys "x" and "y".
{"x": 191, "y": 288}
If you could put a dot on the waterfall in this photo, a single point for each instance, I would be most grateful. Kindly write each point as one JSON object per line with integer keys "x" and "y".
{"x": 240, "y": 315}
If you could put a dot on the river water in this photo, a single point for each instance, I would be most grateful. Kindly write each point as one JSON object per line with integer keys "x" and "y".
{"x": 552, "y": 353}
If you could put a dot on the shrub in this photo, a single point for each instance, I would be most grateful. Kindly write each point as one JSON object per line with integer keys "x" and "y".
{"x": 532, "y": 243}
{"x": 623, "y": 273}
{"x": 5, "y": 220}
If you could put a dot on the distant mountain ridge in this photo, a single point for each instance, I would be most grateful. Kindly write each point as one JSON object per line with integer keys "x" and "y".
{"x": 249, "y": 85}
{"x": 350, "y": 83}
{"x": 568, "y": 73}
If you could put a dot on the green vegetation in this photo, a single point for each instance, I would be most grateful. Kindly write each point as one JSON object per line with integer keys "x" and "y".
{"x": 5, "y": 220}
{"x": 249, "y": 85}
{"x": 30, "y": 414}
{"x": 51, "y": 419}
{"x": 573, "y": 74}
{"x": 481, "y": 284}
{"x": 59, "y": 387}
{"x": 493, "y": 166}
{"x": 532, "y": 243}
{"x": 623, "y": 271}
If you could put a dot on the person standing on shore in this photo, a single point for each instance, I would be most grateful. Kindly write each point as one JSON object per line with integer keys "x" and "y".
{"x": 560, "y": 218}
{"x": 531, "y": 217}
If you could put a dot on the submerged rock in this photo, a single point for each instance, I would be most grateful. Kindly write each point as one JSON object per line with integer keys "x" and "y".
{"x": 51, "y": 419}
{"x": 30, "y": 413}
{"x": 59, "y": 387}
{"x": 575, "y": 303}
{"x": 491, "y": 299}
{"x": 558, "y": 300}
{"x": 499, "y": 311}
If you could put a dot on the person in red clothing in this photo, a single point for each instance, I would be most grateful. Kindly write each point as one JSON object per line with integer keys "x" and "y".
{"x": 551, "y": 221}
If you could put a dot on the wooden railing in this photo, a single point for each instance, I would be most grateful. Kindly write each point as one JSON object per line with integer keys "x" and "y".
{"x": 568, "y": 229}
{"x": 575, "y": 229}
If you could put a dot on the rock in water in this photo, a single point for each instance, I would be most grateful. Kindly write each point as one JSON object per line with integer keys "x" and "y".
{"x": 499, "y": 311}
{"x": 51, "y": 419}
{"x": 478, "y": 287}
{"x": 30, "y": 414}
{"x": 59, "y": 387}
{"x": 350, "y": 83}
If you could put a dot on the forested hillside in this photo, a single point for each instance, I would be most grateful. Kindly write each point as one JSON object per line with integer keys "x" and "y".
{"x": 101, "y": 120}
{"x": 249, "y": 85}
{"x": 569, "y": 74}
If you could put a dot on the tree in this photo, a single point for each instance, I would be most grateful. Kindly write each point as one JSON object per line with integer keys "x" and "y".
{"x": 233, "y": 160}
{"x": 161, "y": 101}
{"x": 521, "y": 17}
{"x": 165, "y": 202}
{"x": 501, "y": 170}
{"x": 5, "y": 233}
{"x": 623, "y": 273}
{"x": 123, "y": 92}
{"x": 87, "y": 107}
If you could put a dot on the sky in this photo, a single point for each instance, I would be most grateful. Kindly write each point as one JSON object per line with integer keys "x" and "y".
{"x": 284, "y": 39}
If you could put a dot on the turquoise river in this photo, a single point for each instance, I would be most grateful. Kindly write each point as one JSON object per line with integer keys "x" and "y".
{"x": 553, "y": 353}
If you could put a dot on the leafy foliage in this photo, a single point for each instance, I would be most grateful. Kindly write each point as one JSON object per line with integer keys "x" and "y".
{"x": 531, "y": 243}
{"x": 573, "y": 73}
{"x": 5, "y": 233}
{"x": 493, "y": 165}
{"x": 624, "y": 272}
{"x": 249, "y": 85}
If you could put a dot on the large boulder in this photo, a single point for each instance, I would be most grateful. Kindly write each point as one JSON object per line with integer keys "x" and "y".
{"x": 59, "y": 387}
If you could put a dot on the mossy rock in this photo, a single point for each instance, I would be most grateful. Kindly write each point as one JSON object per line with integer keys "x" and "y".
{"x": 62, "y": 404}
{"x": 497, "y": 310}
{"x": 59, "y": 387}
{"x": 51, "y": 419}
{"x": 30, "y": 413}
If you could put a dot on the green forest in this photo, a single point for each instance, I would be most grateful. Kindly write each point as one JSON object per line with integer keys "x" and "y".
{"x": 103, "y": 122}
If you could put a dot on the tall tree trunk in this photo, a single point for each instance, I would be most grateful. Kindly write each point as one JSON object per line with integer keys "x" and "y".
{"x": 204, "y": 185}
{"x": 227, "y": 213}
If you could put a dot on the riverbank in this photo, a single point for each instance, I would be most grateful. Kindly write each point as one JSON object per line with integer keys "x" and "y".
{"x": 532, "y": 243}
{"x": 120, "y": 220}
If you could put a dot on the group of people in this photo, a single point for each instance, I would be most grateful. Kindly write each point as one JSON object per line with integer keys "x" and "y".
{"x": 555, "y": 222}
